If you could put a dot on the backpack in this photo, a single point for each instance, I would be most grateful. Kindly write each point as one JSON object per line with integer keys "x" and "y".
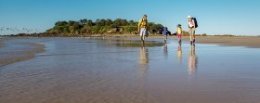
{"x": 196, "y": 22}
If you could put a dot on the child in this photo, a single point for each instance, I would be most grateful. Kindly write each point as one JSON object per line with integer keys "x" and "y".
{"x": 179, "y": 33}
{"x": 165, "y": 33}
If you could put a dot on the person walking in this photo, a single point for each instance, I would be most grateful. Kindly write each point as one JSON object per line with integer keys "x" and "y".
{"x": 192, "y": 24}
{"x": 179, "y": 33}
{"x": 165, "y": 33}
{"x": 142, "y": 28}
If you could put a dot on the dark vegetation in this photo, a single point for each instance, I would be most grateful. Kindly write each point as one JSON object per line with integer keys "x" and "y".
{"x": 87, "y": 27}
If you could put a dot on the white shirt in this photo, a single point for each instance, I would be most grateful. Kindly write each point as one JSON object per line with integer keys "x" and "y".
{"x": 191, "y": 23}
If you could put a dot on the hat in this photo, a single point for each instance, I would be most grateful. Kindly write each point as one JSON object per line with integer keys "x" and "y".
{"x": 179, "y": 25}
{"x": 189, "y": 17}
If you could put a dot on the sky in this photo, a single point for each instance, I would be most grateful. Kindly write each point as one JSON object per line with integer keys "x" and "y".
{"x": 239, "y": 17}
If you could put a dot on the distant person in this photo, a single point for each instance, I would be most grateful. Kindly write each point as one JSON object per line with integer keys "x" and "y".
{"x": 165, "y": 33}
{"x": 179, "y": 33}
{"x": 142, "y": 28}
{"x": 192, "y": 24}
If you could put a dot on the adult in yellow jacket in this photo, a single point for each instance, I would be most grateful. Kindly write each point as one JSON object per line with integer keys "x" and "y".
{"x": 142, "y": 27}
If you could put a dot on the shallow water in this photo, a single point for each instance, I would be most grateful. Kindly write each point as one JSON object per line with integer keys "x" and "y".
{"x": 15, "y": 50}
{"x": 101, "y": 71}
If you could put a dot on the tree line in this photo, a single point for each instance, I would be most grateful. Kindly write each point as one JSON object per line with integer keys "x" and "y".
{"x": 86, "y": 27}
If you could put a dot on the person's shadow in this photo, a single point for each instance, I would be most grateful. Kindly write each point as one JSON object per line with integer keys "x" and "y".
{"x": 192, "y": 61}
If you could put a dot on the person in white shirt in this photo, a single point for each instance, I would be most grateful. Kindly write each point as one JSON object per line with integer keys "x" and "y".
{"x": 192, "y": 28}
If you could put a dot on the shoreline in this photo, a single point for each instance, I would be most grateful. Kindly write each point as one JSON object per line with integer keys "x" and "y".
{"x": 10, "y": 57}
{"x": 249, "y": 42}
{"x": 243, "y": 41}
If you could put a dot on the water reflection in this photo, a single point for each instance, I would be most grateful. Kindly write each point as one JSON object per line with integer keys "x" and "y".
{"x": 144, "y": 56}
{"x": 135, "y": 43}
{"x": 165, "y": 50}
{"x": 192, "y": 61}
{"x": 143, "y": 61}
{"x": 179, "y": 53}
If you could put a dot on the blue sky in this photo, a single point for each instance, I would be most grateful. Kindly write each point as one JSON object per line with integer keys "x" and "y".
{"x": 240, "y": 17}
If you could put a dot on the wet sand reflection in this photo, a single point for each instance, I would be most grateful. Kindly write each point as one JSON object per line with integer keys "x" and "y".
{"x": 192, "y": 61}
{"x": 94, "y": 71}
{"x": 143, "y": 60}
{"x": 179, "y": 53}
{"x": 143, "y": 57}
{"x": 165, "y": 50}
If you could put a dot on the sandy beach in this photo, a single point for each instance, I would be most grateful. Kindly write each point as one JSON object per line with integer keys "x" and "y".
{"x": 129, "y": 51}
{"x": 252, "y": 42}
{"x": 245, "y": 41}
{"x": 92, "y": 70}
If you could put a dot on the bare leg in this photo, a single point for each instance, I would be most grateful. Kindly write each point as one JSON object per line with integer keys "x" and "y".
{"x": 143, "y": 44}
{"x": 179, "y": 41}
{"x": 142, "y": 40}
{"x": 194, "y": 36}
{"x": 142, "y": 36}
{"x": 165, "y": 39}
{"x": 190, "y": 31}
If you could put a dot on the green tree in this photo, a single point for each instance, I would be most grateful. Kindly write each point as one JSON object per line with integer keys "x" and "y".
{"x": 100, "y": 26}
{"x": 89, "y": 23}
{"x": 109, "y": 22}
{"x": 61, "y": 23}
{"x": 83, "y": 21}
{"x": 100, "y": 22}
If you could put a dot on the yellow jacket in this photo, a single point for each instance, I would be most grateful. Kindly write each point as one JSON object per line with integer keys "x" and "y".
{"x": 179, "y": 30}
{"x": 143, "y": 23}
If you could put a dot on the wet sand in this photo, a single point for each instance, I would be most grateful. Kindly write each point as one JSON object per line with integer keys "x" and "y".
{"x": 81, "y": 70}
{"x": 246, "y": 41}
{"x": 1, "y": 43}
{"x": 252, "y": 42}
{"x": 18, "y": 51}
